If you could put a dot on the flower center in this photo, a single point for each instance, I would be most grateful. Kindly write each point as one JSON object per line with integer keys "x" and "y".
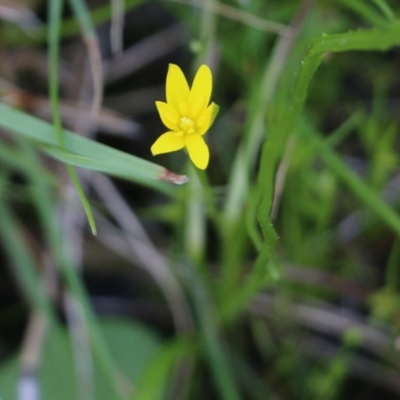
{"x": 187, "y": 125}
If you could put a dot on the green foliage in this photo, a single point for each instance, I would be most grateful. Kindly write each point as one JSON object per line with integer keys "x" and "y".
{"x": 132, "y": 346}
{"x": 82, "y": 152}
{"x": 269, "y": 256}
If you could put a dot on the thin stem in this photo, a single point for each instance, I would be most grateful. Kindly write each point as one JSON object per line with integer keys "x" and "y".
{"x": 55, "y": 10}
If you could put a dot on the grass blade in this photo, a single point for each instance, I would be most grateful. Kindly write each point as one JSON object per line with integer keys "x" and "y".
{"x": 55, "y": 10}
{"x": 86, "y": 153}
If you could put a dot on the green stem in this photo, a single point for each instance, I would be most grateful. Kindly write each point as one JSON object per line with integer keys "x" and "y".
{"x": 218, "y": 359}
{"x": 55, "y": 10}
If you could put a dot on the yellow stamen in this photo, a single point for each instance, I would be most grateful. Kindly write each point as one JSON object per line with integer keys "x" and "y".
{"x": 187, "y": 125}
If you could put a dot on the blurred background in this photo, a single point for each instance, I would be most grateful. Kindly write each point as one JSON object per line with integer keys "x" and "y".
{"x": 274, "y": 274}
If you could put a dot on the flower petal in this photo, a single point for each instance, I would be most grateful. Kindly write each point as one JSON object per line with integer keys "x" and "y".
{"x": 200, "y": 92}
{"x": 198, "y": 150}
{"x": 177, "y": 88}
{"x": 206, "y": 118}
{"x": 167, "y": 142}
{"x": 168, "y": 115}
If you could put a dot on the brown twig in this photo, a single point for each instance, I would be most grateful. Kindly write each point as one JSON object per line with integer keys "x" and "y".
{"x": 145, "y": 253}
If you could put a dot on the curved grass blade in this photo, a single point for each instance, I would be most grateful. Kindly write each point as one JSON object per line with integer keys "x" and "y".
{"x": 285, "y": 118}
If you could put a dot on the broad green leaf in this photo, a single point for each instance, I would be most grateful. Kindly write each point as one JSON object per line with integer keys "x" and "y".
{"x": 132, "y": 346}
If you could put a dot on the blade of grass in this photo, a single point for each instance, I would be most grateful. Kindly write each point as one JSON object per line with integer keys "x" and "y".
{"x": 359, "y": 188}
{"x": 209, "y": 335}
{"x": 13, "y": 158}
{"x": 195, "y": 218}
{"x": 386, "y": 10}
{"x": 255, "y": 132}
{"x": 55, "y": 10}
{"x": 239, "y": 181}
{"x": 366, "y": 11}
{"x": 87, "y": 153}
{"x": 46, "y": 210}
{"x": 26, "y": 268}
{"x": 284, "y": 120}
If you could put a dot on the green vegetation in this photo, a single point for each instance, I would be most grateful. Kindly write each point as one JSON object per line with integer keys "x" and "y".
{"x": 273, "y": 274}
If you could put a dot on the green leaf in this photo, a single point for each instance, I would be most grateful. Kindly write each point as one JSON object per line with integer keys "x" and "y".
{"x": 85, "y": 153}
{"x": 153, "y": 384}
{"x": 132, "y": 346}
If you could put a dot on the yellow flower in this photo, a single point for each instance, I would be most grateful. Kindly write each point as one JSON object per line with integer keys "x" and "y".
{"x": 187, "y": 114}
